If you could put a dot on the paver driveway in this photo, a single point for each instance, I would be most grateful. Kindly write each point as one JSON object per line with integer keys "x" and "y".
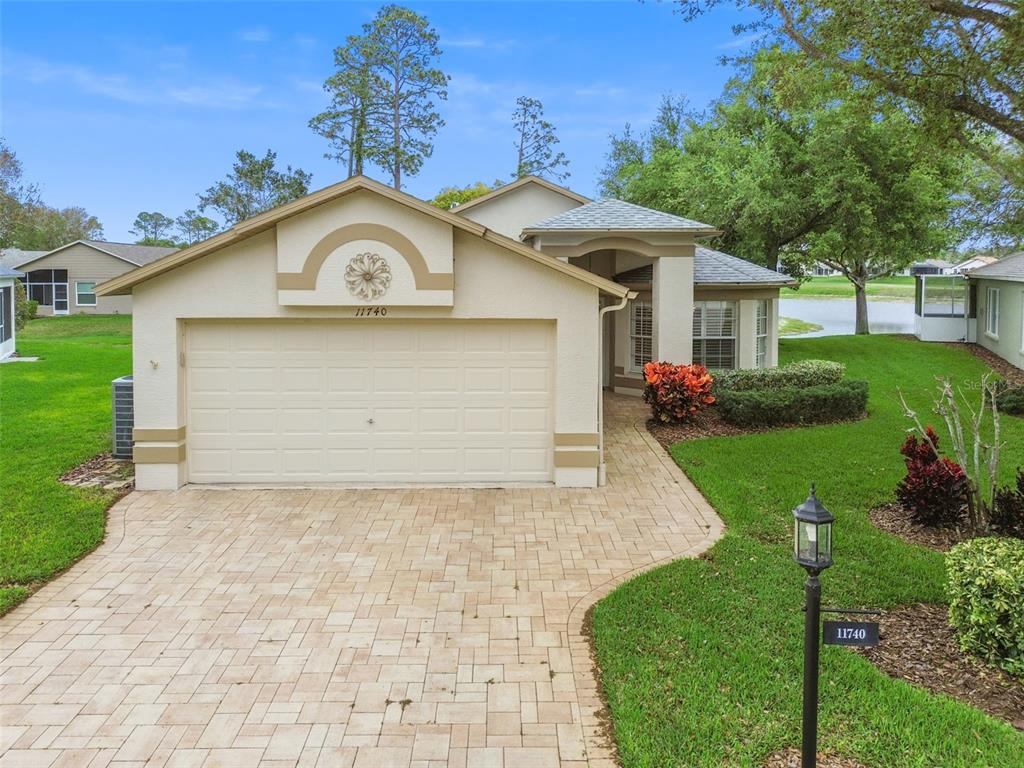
{"x": 342, "y": 627}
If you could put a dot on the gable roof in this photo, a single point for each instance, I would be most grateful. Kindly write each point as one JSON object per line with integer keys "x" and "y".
{"x": 269, "y": 219}
{"x": 136, "y": 255}
{"x": 980, "y": 260}
{"x": 711, "y": 267}
{"x": 8, "y": 272}
{"x": 609, "y": 214}
{"x": 1008, "y": 268}
{"x": 519, "y": 184}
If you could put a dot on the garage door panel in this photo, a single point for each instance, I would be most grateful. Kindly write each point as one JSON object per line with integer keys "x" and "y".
{"x": 293, "y": 402}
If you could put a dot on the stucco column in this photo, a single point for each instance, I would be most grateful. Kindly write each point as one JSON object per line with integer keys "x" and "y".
{"x": 672, "y": 293}
{"x": 746, "y": 334}
{"x": 773, "y": 334}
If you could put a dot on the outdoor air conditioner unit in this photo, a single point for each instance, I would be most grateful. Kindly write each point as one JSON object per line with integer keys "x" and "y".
{"x": 124, "y": 417}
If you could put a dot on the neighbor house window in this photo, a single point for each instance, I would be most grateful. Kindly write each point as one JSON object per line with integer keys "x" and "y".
{"x": 641, "y": 335}
{"x": 6, "y": 313}
{"x": 85, "y": 293}
{"x": 40, "y": 285}
{"x": 992, "y": 312}
{"x": 761, "y": 349}
{"x": 714, "y": 334}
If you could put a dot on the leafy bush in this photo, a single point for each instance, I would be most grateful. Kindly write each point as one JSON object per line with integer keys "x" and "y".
{"x": 986, "y": 599}
{"x": 1007, "y": 518}
{"x": 676, "y": 392}
{"x": 1011, "y": 400}
{"x": 24, "y": 310}
{"x": 794, "y": 405}
{"x": 934, "y": 491}
{"x": 802, "y": 373}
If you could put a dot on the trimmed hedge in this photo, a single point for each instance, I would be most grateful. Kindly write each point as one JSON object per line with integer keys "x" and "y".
{"x": 845, "y": 399}
{"x": 1011, "y": 401}
{"x": 802, "y": 373}
{"x": 986, "y": 599}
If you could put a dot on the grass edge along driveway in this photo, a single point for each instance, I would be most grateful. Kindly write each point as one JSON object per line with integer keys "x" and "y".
{"x": 701, "y": 659}
{"x": 54, "y": 415}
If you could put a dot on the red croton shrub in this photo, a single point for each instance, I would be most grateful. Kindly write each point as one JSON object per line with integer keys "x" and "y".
{"x": 676, "y": 392}
{"x": 934, "y": 490}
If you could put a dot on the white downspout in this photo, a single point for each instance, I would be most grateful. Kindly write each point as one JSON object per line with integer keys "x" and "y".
{"x": 601, "y": 474}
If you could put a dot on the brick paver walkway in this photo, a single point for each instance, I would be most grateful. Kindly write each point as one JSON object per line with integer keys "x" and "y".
{"x": 342, "y": 627}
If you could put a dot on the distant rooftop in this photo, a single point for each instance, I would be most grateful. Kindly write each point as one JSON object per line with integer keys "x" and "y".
{"x": 711, "y": 267}
{"x": 1011, "y": 267}
{"x": 610, "y": 214}
{"x": 8, "y": 272}
{"x": 130, "y": 252}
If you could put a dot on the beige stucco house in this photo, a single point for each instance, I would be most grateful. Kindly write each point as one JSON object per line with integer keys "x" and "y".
{"x": 999, "y": 291}
{"x": 8, "y": 277}
{"x": 362, "y": 336}
{"x": 63, "y": 280}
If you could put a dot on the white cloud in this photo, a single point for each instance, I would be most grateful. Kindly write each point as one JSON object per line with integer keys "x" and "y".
{"x": 254, "y": 35}
{"x": 738, "y": 42}
{"x": 211, "y": 93}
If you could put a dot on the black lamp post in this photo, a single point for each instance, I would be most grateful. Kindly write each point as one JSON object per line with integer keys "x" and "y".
{"x": 812, "y": 548}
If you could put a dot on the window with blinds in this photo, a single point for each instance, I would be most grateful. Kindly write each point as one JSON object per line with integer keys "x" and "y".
{"x": 761, "y": 350}
{"x": 714, "y": 334}
{"x": 641, "y": 335}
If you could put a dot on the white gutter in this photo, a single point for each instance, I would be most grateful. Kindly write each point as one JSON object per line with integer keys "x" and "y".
{"x": 601, "y": 474}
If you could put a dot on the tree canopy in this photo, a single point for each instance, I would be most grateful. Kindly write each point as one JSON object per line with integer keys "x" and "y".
{"x": 800, "y": 165}
{"x": 450, "y": 197}
{"x": 383, "y": 95}
{"x": 254, "y": 185}
{"x": 536, "y": 142}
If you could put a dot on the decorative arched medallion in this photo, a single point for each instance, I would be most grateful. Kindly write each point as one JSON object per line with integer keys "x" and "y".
{"x": 368, "y": 276}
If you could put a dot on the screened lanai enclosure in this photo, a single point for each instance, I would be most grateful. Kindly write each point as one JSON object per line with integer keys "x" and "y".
{"x": 944, "y": 308}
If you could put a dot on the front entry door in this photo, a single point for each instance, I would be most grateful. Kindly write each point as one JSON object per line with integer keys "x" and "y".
{"x": 60, "y": 298}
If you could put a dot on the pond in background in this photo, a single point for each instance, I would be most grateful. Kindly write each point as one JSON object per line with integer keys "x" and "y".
{"x": 836, "y": 316}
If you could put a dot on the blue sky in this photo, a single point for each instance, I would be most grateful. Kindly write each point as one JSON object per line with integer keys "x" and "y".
{"x": 122, "y": 107}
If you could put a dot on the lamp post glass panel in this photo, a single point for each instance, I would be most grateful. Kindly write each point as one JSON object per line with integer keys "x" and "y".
{"x": 812, "y": 548}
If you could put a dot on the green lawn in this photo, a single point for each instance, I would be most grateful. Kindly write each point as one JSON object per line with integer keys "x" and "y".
{"x": 54, "y": 414}
{"x": 791, "y": 326}
{"x": 839, "y": 287}
{"x": 702, "y": 658}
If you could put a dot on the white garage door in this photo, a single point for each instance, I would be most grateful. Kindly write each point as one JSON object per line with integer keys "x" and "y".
{"x": 369, "y": 402}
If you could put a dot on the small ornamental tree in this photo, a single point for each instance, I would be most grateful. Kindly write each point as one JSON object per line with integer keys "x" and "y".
{"x": 676, "y": 392}
{"x": 934, "y": 491}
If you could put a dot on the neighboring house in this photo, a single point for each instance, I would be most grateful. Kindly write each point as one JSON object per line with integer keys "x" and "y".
{"x": 931, "y": 267}
{"x": 8, "y": 277}
{"x": 823, "y": 270}
{"x": 63, "y": 280}
{"x": 974, "y": 262}
{"x": 999, "y": 288}
{"x": 361, "y": 335}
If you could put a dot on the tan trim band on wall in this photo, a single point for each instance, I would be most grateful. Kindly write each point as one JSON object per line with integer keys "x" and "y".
{"x": 590, "y": 459}
{"x": 158, "y": 435}
{"x": 159, "y": 454}
{"x": 306, "y": 279}
{"x": 577, "y": 438}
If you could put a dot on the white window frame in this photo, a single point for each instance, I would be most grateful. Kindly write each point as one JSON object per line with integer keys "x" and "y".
{"x": 638, "y": 338}
{"x": 6, "y": 290}
{"x": 700, "y": 331}
{"x": 93, "y": 292}
{"x": 761, "y": 318}
{"x": 992, "y": 312}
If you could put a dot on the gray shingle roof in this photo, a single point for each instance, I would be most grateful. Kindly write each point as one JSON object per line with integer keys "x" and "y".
{"x": 1011, "y": 267}
{"x": 137, "y": 254}
{"x": 8, "y": 272}
{"x": 711, "y": 267}
{"x": 13, "y": 257}
{"x": 617, "y": 215}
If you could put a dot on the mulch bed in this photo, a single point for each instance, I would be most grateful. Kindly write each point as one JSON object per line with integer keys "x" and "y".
{"x": 103, "y": 471}
{"x": 892, "y": 518}
{"x": 918, "y": 646}
{"x": 709, "y": 423}
{"x": 1004, "y": 368}
{"x": 790, "y": 758}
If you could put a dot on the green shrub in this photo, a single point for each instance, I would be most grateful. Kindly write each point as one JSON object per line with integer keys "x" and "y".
{"x": 24, "y": 310}
{"x": 802, "y": 373}
{"x": 1011, "y": 401}
{"x": 794, "y": 405}
{"x": 986, "y": 600}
